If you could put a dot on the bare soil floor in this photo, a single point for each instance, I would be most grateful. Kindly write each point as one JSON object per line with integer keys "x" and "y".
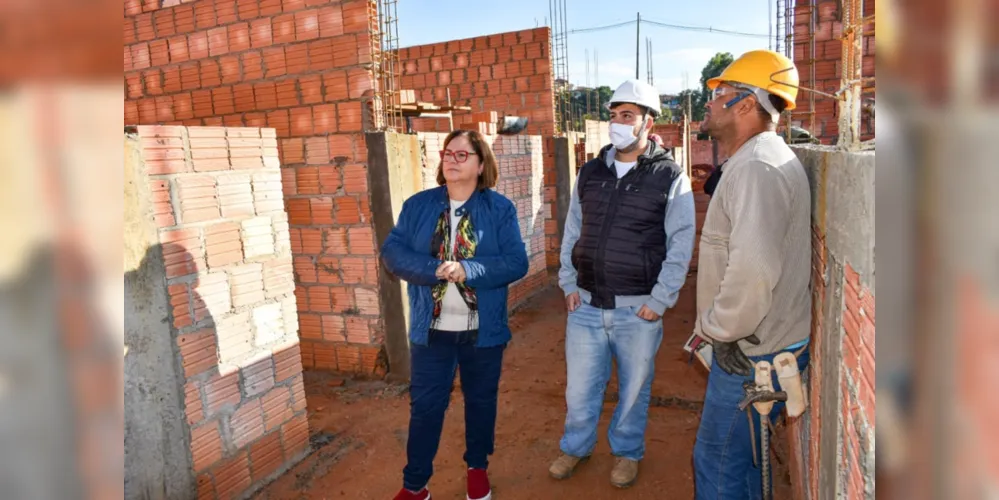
{"x": 359, "y": 428}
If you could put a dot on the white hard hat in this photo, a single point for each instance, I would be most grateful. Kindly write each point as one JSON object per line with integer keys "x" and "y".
{"x": 637, "y": 92}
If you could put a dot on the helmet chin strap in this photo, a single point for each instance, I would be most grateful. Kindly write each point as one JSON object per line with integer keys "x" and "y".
{"x": 762, "y": 97}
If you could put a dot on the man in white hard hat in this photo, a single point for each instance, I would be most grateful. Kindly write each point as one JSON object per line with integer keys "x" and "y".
{"x": 626, "y": 248}
{"x": 754, "y": 266}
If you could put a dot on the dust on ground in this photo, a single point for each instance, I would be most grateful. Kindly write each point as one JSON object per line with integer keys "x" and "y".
{"x": 359, "y": 428}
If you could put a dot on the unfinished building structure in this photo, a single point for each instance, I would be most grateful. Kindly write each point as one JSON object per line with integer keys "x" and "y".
{"x": 271, "y": 159}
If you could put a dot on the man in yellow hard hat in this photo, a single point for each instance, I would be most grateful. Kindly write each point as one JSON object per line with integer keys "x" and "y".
{"x": 753, "y": 299}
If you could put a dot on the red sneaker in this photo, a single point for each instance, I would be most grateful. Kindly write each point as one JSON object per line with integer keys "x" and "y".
{"x": 478, "y": 485}
{"x": 405, "y": 494}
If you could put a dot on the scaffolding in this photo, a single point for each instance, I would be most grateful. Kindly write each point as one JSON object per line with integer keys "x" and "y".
{"x": 561, "y": 87}
{"x": 852, "y": 80}
{"x": 383, "y": 37}
{"x": 389, "y": 67}
{"x": 852, "y": 86}
{"x": 801, "y": 50}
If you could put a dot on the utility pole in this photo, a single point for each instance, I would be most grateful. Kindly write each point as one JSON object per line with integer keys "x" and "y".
{"x": 652, "y": 73}
{"x": 596, "y": 80}
{"x": 587, "y": 51}
{"x": 648, "y": 67}
{"x": 638, "y": 40}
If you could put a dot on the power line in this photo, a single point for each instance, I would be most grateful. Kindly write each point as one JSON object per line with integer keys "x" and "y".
{"x": 701, "y": 29}
{"x": 599, "y": 28}
{"x": 705, "y": 29}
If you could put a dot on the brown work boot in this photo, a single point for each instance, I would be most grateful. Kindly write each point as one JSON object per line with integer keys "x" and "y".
{"x": 565, "y": 465}
{"x": 624, "y": 473}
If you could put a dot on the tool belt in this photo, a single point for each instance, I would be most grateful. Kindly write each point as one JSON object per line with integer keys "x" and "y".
{"x": 761, "y": 395}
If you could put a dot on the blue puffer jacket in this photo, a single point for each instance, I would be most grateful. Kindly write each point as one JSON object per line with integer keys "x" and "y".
{"x": 500, "y": 259}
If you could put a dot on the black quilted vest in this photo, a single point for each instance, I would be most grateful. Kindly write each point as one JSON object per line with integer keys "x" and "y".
{"x": 622, "y": 242}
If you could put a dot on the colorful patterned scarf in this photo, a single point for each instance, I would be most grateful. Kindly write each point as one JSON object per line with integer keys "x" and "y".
{"x": 464, "y": 248}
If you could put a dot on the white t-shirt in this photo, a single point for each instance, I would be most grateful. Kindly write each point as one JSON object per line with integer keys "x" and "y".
{"x": 454, "y": 311}
{"x": 622, "y": 168}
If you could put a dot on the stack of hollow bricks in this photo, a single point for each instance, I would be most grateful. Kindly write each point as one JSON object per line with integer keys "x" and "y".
{"x": 509, "y": 73}
{"x": 520, "y": 180}
{"x": 828, "y": 66}
{"x": 484, "y": 122}
{"x": 297, "y": 66}
{"x": 217, "y": 202}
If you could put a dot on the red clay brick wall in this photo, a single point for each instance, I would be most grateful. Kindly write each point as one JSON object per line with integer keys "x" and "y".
{"x": 857, "y": 386}
{"x": 828, "y": 66}
{"x": 801, "y": 439}
{"x": 297, "y": 66}
{"x": 520, "y": 179}
{"x": 217, "y": 203}
{"x": 510, "y": 73}
{"x": 972, "y": 436}
{"x": 841, "y": 372}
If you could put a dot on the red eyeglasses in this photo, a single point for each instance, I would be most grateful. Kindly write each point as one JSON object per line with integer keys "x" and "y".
{"x": 456, "y": 156}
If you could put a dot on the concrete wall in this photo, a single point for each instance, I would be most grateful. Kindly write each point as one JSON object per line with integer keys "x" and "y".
{"x": 157, "y": 440}
{"x": 214, "y": 364}
{"x": 597, "y": 136}
{"x": 394, "y": 161}
{"x": 833, "y": 443}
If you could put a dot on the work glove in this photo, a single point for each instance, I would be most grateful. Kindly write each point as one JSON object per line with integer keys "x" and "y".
{"x": 730, "y": 357}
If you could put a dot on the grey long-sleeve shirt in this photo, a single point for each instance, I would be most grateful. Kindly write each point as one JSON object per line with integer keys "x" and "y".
{"x": 680, "y": 232}
{"x": 754, "y": 262}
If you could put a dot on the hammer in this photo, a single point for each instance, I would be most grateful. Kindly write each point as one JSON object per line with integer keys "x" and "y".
{"x": 762, "y": 396}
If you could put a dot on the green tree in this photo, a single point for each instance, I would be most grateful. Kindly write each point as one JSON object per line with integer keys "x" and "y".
{"x": 665, "y": 116}
{"x": 715, "y": 66}
{"x": 696, "y": 106}
{"x": 699, "y": 97}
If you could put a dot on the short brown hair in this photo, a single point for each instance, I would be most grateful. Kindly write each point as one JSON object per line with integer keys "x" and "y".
{"x": 490, "y": 171}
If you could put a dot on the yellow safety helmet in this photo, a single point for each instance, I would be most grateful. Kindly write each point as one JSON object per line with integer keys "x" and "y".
{"x": 765, "y": 69}
{"x": 886, "y": 31}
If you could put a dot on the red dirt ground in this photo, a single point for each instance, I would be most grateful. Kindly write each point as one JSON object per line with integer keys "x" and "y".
{"x": 359, "y": 427}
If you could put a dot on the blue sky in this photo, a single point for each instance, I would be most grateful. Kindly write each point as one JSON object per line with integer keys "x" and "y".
{"x": 674, "y": 52}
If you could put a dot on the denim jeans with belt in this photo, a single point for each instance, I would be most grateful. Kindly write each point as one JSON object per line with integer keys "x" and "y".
{"x": 433, "y": 367}
{"x": 723, "y": 453}
{"x": 593, "y": 337}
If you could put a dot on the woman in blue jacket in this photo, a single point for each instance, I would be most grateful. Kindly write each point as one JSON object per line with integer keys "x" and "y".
{"x": 459, "y": 247}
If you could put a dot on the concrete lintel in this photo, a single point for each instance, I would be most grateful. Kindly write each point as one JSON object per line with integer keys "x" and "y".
{"x": 843, "y": 204}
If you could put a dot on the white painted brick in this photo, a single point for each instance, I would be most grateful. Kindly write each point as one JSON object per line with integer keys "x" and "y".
{"x": 234, "y": 336}
{"x": 282, "y": 237}
{"x": 257, "y": 237}
{"x": 269, "y": 323}
{"x": 290, "y": 311}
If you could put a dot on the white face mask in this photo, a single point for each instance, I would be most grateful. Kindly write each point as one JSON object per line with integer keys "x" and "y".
{"x": 622, "y": 136}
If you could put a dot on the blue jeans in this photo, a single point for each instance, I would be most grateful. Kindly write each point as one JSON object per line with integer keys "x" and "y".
{"x": 723, "y": 453}
{"x": 593, "y": 337}
{"x": 432, "y": 378}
